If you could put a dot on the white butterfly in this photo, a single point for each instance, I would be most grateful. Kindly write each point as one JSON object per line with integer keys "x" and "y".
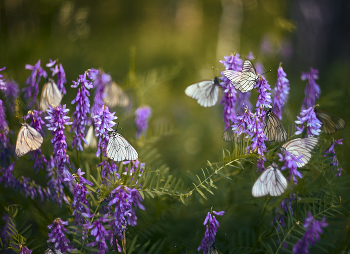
{"x": 271, "y": 181}
{"x": 244, "y": 80}
{"x": 205, "y": 92}
{"x": 119, "y": 149}
{"x": 28, "y": 139}
{"x": 301, "y": 146}
{"x": 52, "y": 251}
{"x": 115, "y": 96}
{"x": 90, "y": 138}
{"x": 50, "y": 95}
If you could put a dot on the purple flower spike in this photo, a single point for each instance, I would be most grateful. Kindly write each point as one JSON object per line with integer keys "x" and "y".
{"x": 244, "y": 123}
{"x": 36, "y": 122}
{"x": 11, "y": 93}
{"x": 313, "y": 230}
{"x": 100, "y": 79}
{"x": 24, "y": 250}
{"x": 142, "y": 115}
{"x": 81, "y": 110}
{"x": 100, "y": 234}
{"x": 108, "y": 169}
{"x": 3, "y": 123}
{"x": 291, "y": 163}
{"x": 103, "y": 123}
{"x": 57, "y": 120}
{"x": 210, "y": 232}
{"x": 330, "y": 152}
{"x": 242, "y": 101}
{"x": 264, "y": 97}
{"x": 57, "y": 236}
{"x": 33, "y": 82}
{"x": 312, "y": 122}
{"x": 61, "y": 75}
{"x": 285, "y": 205}
{"x": 312, "y": 89}
{"x": 281, "y": 92}
{"x": 2, "y": 82}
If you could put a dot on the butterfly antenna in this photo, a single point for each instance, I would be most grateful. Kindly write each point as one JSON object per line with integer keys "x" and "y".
{"x": 265, "y": 72}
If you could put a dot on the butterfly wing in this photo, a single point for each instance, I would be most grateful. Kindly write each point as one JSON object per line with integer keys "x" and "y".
{"x": 260, "y": 187}
{"x": 119, "y": 149}
{"x": 205, "y": 92}
{"x": 229, "y": 135}
{"x": 115, "y": 96}
{"x": 273, "y": 128}
{"x": 301, "y": 146}
{"x": 21, "y": 145}
{"x": 90, "y": 138}
{"x": 249, "y": 67}
{"x": 277, "y": 184}
{"x": 233, "y": 76}
{"x": 330, "y": 122}
{"x": 50, "y": 95}
{"x": 28, "y": 139}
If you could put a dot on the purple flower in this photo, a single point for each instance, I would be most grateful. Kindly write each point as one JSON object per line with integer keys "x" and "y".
{"x": 141, "y": 120}
{"x": 123, "y": 203}
{"x": 242, "y": 100}
{"x": 3, "y": 123}
{"x": 312, "y": 89}
{"x": 313, "y": 230}
{"x": 33, "y": 82}
{"x": 36, "y": 120}
{"x": 281, "y": 92}
{"x": 4, "y": 235}
{"x": 100, "y": 234}
{"x": 264, "y": 97}
{"x": 24, "y": 250}
{"x": 57, "y": 237}
{"x": 291, "y": 163}
{"x": 2, "y": 82}
{"x": 108, "y": 169}
{"x": 7, "y": 177}
{"x": 259, "y": 137}
{"x": 313, "y": 124}
{"x": 81, "y": 110}
{"x": 61, "y": 75}
{"x": 101, "y": 79}
{"x": 55, "y": 187}
{"x": 331, "y": 153}
{"x": 232, "y": 62}
{"x": 11, "y": 93}
{"x": 103, "y": 124}
{"x": 285, "y": 205}
{"x": 80, "y": 206}
{"x": 57, "y": 120}
{"x": 210, "y": 232}
{"x": 244, "y": 123}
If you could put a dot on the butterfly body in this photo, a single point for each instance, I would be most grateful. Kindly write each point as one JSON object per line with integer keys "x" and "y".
{"x": 300, "y": 146}
{"x": 330, "y": 122}
{"x": 244, "y": 80}
{"x": 205, "y": 92}
{"x": 119, "y": 149}
{"x": 273, "y": 127}
{"x": 271, "y": 181}
{"x": 28, "y": 139}
{"x": 50, "y": 94}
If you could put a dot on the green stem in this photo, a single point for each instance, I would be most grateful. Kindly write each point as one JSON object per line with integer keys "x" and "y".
{"x": 78, "y": 158}
{"x": 261, "y": 224}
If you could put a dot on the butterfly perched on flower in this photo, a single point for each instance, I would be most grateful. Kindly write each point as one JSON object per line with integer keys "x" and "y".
{"x": 119, "y": 149}
{"x": 50, "y": 95}
{"x": 206, "y": 92}
{"x": 273, "y": 127}
{"x": 300, "y": 146}
{"x": 229, "y": 135}
{"x": 244, "y": 80}
{"x": 271, "y": 181}
{"x": 330, "y": 122}
{"x": 28, "y": 139}
{"x": 115, "y": 96}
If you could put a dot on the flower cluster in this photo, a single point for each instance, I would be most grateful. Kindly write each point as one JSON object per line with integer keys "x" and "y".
{"x": 54, "y": 185}
{"x": 281, "y": 92}
{"x": 103, "y": 123}
{"x": 11, "y": 93}
{"x": 286, "y": 205}
{"x": 100, "y": 234}
{"x": 81, "y": 110}
{"x": 123, "y": 203}
{"x": 80, "y": 206}
{"x": 331, "y": 153}
{"x": 291, "y": 163}
{"x": 264, "y": 97}
{"x": 210, "y": 232}
{"x": 312, "y": 89}
{"x": 57, "y": 236}
{"x": 142, "y": 115}
{"x": 2, "y": 82}
{"x": 244, "y": 123}
{"x": 100, "y": 79}
{"x": 313, "y": 124}
{"x": 108, "y": 169}
{"x": 24, "y": 250}
{"x": 33, "y": 82}
{"x": 313, "y": 230}
{"x": 61, "y": 75}
{"x": 3, "y": 124}
{"x": 57, "y": 120}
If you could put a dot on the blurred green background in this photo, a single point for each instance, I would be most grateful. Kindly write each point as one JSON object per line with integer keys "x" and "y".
{"x": 185, "y": 39}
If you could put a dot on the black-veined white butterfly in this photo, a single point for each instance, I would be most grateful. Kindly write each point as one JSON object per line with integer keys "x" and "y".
{"x": 273, "y": 127}
{"x": 244, "y": 80}
{"x": 115, "y": 96}
{"x": 330, "y": 122}
{"x": 52, "y": 250}
{"x": 229, "y": 135}
{"x": 50, "y": 95}
{"x": 119, "y": 149}
{"x": 271, "y": 181}
{"x": 28, "y": 139}
{"x": 301, "y": 146}
{"x": 205, "y": 92}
